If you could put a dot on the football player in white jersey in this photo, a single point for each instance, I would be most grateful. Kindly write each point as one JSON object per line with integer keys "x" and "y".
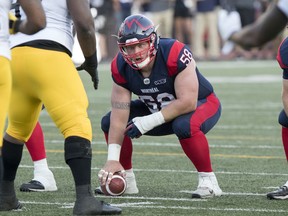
{"x": 264, "y": 29}
{"x": 10, "y": 24}
{"x": 48, "y": 76}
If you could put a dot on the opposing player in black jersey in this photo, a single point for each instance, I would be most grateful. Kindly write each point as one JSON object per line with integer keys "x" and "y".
{"x": 174, "y": 98}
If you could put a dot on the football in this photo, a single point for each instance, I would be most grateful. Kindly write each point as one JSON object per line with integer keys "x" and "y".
{"x": 116, "y": 187}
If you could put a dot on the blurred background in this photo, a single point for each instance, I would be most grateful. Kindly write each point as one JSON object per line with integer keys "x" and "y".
{"x": 193, "y": 22}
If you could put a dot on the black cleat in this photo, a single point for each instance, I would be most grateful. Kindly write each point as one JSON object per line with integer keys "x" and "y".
{"x": 281, "y": 193}
{"x": 8, "y": 200}
{"x": 91, "y": 206}
{"x": 9, "y": 203}
{"x": 33, "y": 185}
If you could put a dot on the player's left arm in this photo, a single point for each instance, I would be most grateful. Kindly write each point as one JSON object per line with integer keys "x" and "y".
{"x": 186, "y": 88}
{"x": 85, "y": 29}
{"x": 120, "y": 109}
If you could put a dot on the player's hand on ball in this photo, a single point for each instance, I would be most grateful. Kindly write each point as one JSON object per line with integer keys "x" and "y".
{"x": 111, "y": 167}
{"x": 116, "y": 187}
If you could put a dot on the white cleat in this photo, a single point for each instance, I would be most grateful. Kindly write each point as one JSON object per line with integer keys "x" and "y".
{"x": 42, "y": 181}
{"x": 207, "y": 187}
{"x": 131, "y": 184}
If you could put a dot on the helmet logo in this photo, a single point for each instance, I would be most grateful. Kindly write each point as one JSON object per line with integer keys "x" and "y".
{"x": 130, "y": 23}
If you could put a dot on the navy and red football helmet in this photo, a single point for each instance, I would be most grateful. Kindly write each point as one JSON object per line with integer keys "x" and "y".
{"x": 136, "y": 29}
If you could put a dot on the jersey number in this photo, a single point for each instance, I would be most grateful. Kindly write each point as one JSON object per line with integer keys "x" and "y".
{"x": 186, "y": 57}
{"x": 156, "y": 104}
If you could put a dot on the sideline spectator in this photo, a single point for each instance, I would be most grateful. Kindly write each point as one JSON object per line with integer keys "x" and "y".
{"x": 184, "y": 13}
{"x": 206, "y": 28}
{"x": 161, "y": 13}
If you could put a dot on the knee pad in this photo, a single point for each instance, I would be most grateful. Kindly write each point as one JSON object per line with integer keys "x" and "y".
{"x": 283, "y": 119}
{"x": 77, "y": 147}
{"x": 105, "y": 123}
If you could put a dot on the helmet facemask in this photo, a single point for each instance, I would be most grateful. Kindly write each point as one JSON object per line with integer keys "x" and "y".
{"x": 142, "y": 58}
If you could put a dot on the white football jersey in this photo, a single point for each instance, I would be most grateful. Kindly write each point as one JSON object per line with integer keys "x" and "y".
{"x": 58, "y": 28}
{"x": 4, "y": 28}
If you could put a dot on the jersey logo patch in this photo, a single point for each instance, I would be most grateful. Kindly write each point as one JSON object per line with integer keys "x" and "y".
{"x": 160, "y": 82}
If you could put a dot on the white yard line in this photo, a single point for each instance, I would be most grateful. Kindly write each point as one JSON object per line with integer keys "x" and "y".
{"x": 157, "y": 205}
{"x": 170, "y": 171}
{"x": 176, "y": 144}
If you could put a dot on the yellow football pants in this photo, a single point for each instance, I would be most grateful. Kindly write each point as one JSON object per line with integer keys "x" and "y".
{"x": 48, "y": 77}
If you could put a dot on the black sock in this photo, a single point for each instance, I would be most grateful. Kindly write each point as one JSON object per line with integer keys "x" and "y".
{"x": 11, "y": 157}
{"x": 78, "y": 155}
{"x": 81, "y": 170}
{"x": 7, "y": 189}
{"x": 1, "y": 164}
{"x": 83, "y": 191}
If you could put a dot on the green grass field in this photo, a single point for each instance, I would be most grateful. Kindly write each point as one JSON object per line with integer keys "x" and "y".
{"x": 246, "y": 152}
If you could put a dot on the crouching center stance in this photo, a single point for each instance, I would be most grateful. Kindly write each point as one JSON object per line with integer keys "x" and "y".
{"x": 173, "y": 98}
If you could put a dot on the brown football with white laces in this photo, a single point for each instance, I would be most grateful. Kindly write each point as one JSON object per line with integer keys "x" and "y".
{"x": 116, "y": 187}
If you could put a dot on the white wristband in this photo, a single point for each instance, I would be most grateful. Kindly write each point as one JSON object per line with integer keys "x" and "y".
{"x": 114, "y": 151}
{"x": 147, "y": 123}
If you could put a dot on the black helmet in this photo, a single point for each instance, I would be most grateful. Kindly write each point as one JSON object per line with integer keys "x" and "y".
{"x": 137, "y": 29}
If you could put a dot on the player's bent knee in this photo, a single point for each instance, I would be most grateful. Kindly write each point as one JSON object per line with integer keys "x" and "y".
{"x": 283, "y": 119}
{"x": 105, "y": 123}
{"x": 181, "y": 130}
{"x": 77, "y": 147}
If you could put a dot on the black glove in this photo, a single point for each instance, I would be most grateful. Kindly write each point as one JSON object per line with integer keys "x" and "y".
{"x": 90, "y": 65}
{"x": 132, "y": 131}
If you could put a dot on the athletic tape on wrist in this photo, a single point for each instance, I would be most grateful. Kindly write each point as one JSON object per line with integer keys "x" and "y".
{"x": 147, "y": 123}
{"x": 114, "y": 151}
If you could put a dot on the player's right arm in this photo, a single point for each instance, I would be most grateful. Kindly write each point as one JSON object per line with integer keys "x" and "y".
{"x": 120, "y": 104}
{"x": 120, "y": 110}
{"x": 35, "y": 21}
